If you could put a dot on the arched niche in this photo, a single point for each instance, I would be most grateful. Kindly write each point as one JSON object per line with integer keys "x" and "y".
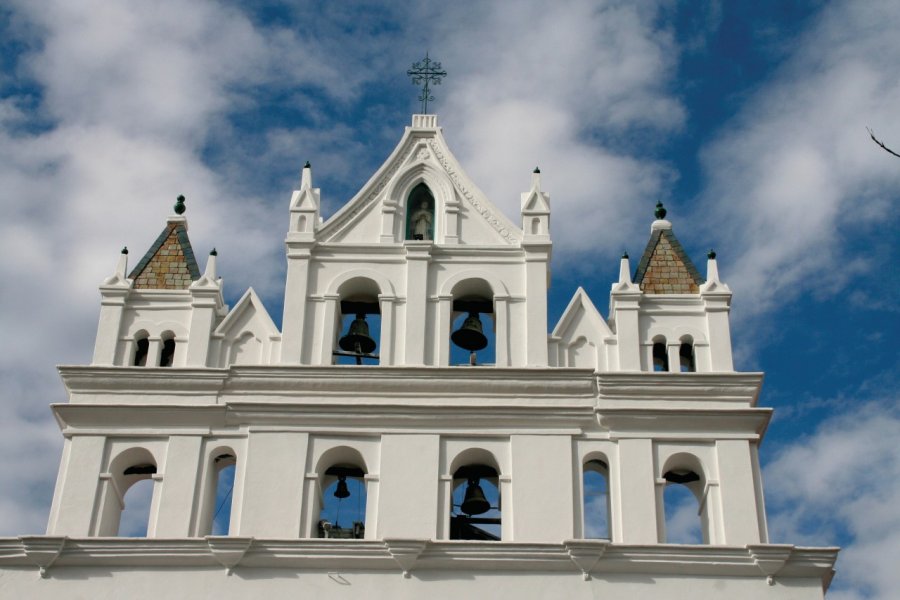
{"x": 216, "y": 511}
{"x": 341, "y": 494}
{"x": 596, "y": 507}
{"x": 473, "y": 323}
{"x": 475, "y": 497}
{"x": 685, "y": 511}
{"x": 357, "y": 333}
{"x": 130, "y": 466}
{"x": 421, "y": 219}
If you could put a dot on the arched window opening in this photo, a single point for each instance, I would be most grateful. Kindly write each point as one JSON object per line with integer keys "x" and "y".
{"x": 596, "y": 500}
{"x": 420, "y": 214}
{"x": 358, "y": 329}
{"x": 343, "y": 502}
{"x": 217, "y": 513}
{"x": 686, "y": 355}
{"x": 475, "y": 511}
{"x": 167, "y": 355}
{"x": 473, "y": 324}
{"x": 136, "y": 510}
{"x": 681, "y": 499}
{"x": 361, "y": 327}
{"x": 660, "y": 356}
{"x": 141, "y": 348}
{"x": 536, "y": 226}
{"x": 137, "y": 494}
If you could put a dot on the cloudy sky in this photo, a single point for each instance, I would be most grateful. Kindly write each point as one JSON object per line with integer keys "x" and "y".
{"x": 747, "y": 119}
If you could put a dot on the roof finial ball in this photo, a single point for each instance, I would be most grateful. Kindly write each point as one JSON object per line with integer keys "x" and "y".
{"x": 660, "y": 211}
{"x": 179, "y": 205}
{"x": 711, "y": 255}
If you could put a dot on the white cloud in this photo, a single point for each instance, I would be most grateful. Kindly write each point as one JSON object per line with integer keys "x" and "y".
{"x": 843, "y": 481}
{"x": 795, "y": 173}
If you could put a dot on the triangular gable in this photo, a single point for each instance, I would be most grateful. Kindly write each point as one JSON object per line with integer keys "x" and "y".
{"x": 169, "y": 264}
{"x": 421, "y": 145}
{"x": 665, "y": 268}
{"x": 581, "y": 310}
{"x": 239, "y": 317}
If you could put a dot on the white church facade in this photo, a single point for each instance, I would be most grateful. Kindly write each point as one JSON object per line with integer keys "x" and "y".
{"x": 413, "y": 372}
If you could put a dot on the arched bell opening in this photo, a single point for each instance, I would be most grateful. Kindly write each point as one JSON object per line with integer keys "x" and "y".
{"x": 127, "y": 502}
{"x": 595, "y": 486}
{"x": 686, "y": 355}
{"x": 141, "y": 349}
{"x": 473, "y": 339}
{"x": 358, "y": 332}
{"x": 684, "y": 507}
{"x": 475, "y": 512}
{"x": 167, "y": 350}
{"x": 216, "y": 515}
{"x": 660, "y": 355}
{"x": 343, "y": 503}
{"x": 420, "y": 214}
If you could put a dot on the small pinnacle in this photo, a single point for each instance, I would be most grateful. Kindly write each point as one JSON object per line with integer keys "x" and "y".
{"x": 625, "y": 255}
{"x": 307, "y": 165}
{"x": 125, "y": 250}
{"x": 537, "y": 170}
{"x": 179, "y": 205}
{"x": 711, "y": 255}
{"x": 660, "y": 211}
{"x": 213, "y": 252}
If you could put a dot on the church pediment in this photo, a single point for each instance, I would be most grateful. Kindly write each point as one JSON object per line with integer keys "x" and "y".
{"x": 393, "y": 206}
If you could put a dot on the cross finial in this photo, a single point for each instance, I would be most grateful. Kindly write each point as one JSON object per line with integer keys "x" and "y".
{"x": 425, "y": 73}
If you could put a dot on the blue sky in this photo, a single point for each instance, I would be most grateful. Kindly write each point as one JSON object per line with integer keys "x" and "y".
{"x": 747, "y": 119}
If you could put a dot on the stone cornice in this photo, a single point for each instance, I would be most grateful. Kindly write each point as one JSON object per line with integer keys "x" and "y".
{"x": 726, "y": 388}
{"x": 579, "y": 557}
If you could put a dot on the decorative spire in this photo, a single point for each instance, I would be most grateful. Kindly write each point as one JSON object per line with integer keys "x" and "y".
{"x": 179, "y": 205}
{"x": 660, "y": 211}
{"x": 624, "y": 270}
{"x": 425, "y": 73}
{"x": 306, "y": 177}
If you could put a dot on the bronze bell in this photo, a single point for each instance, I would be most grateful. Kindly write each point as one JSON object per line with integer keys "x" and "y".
{"x": 357, "y": 338}
{"x": 469, "y": 336}
{"x": 475, "y": 503}
{"x": 341, "y": 491}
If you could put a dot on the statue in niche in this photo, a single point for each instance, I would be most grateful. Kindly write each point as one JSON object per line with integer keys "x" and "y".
{"x": 421, "y": 216}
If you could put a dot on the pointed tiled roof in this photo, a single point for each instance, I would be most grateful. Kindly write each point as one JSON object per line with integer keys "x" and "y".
{"x": 169, "y": 264}
{"x": 665, "y": 268}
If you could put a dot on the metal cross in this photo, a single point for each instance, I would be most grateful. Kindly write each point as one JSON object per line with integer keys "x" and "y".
{"x": 425, "y": 73}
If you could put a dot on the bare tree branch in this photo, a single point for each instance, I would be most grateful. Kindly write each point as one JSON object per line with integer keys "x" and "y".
{"x": 880, "y": 143}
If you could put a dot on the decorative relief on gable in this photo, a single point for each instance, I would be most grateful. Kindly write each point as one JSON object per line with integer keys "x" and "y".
{"x": 480, "y": 208}
{"x": 375, "y": 191}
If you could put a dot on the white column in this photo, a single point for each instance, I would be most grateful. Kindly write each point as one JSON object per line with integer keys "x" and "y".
{"x": 203, "y": 314}
{"x": 179, "y": 488}
{"x": 409, "y": 468}
{"x": 327, "y": 329}
{"x": 536, "y": 284}
{"x": 503, "y": 333}
{"x": 77, "y": 484}
{"x": 112, "y": 305}
{"x": 295, "y": 291}
{"x": 625, "y": 308}
{"x": 738, "y": 493}
{"x": 386, "y": 351}
{"x": 719, "y": 332}
{"x": 418, "y": 255}
{"x": 441, "y": 330}
{"x": 543, "y": 497}
{"x": 634, "y": 487}
{"x": 271, "y": 501}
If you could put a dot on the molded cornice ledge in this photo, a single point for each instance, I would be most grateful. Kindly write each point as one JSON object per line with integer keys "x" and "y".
{"x": 581, "y": 557}
{"x": 727, "y": 389}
